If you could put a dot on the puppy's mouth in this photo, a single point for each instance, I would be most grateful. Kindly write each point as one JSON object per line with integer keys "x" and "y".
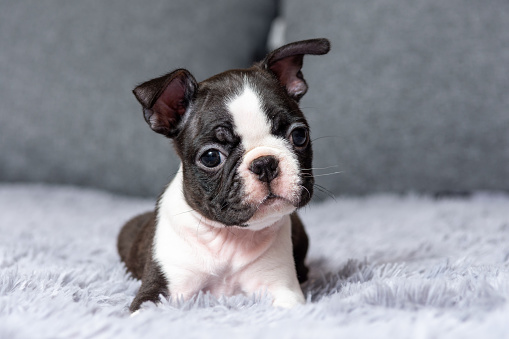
{"x": 269, "y": 211}
{"x": 273, "y": 204}
{"x": 272, "y": 199}
{"x": 272, "y": 208}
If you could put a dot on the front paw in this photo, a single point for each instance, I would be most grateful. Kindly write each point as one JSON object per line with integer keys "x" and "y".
{"x": 288, "y": 299}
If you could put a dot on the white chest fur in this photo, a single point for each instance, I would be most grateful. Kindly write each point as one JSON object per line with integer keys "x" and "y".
{"x": 199, "y": 255}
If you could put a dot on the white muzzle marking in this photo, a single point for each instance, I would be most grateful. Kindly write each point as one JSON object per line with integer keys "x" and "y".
{"x": 252, "y": 125}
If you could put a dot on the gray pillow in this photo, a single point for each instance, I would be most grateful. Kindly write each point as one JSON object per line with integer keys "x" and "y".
{"x": 67, "y": 114}
{"x": 415, "y": 93}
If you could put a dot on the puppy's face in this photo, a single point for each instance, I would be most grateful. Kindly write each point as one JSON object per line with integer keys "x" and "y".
{"x": 242, "y": 139}
{"x": 245, "y": 150}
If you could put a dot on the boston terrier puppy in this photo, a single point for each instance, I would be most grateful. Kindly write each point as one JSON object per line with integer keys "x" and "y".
{"x": 226, "y": 224}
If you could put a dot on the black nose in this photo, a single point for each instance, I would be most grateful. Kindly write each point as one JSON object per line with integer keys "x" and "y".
{"x": 265, "y": 167}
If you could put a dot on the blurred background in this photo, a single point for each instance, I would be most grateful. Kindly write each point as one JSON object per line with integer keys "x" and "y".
{"x": 413, "y": 97}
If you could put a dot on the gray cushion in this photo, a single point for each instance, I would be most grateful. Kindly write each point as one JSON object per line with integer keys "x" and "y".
{"x": 416, "y": 93}
{"x": 67, "y": 114}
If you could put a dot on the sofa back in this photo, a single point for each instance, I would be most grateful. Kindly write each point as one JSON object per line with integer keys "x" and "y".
{"x": 412, "y": 97}
{"x": 415, "y": 94}
{"x": 67, "y": 68}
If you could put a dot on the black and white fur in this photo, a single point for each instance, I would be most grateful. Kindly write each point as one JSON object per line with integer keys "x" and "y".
{"x": 226, "y": 223}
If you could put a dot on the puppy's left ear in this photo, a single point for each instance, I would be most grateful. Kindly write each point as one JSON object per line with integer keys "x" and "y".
{"x": 286, "y": 63}
{"x": 165, "y": 100}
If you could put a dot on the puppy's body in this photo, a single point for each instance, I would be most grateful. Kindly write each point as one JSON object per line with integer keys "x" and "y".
{"x": 222, "y": 261}
{"x": 226, "y": 223}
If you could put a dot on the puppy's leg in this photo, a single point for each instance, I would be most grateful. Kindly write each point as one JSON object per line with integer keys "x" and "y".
{"x": 276, "y": 272}
{"x": 153, "y": 284}
{"x": 135, "y": 243}
{"x": 300, "y": 243}
{"x": 288, "y": 298}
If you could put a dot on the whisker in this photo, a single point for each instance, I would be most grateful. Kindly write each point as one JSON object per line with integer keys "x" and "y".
{"x": 306, "y": 190}
{"x": 192, "y": 210}
{"x": 298, "y": 109}
{"x": 326, "y": 191}
{"x": 325, "y": 136}
{"x": 323, "y": 175}
{"x": 322, "y": 188}
{"x": 325, "y": 194}
{"x": 319, "y": 168}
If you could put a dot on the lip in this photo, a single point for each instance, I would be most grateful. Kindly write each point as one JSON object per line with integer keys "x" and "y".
{"x": 272, "y": 199}
{"x": 271, "y": 209}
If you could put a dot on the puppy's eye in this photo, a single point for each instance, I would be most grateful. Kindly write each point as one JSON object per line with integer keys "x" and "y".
{"x": 211, "y": 158}
{"x": 299, "y": 137}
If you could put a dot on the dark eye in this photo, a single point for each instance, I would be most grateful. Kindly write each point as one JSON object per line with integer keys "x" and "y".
{"x": 211, "y": 158}
{"x": 299, "y": 137}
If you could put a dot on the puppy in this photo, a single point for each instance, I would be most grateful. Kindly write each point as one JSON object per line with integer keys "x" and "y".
{"x": 226, "y": 223}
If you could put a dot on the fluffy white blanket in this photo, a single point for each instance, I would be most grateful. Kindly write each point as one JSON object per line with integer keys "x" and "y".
{"x": 382, "y": 266}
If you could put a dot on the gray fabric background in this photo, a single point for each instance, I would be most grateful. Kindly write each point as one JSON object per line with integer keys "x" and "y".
{"x": 416, "y": 93}
{"x": 67, "y": 68}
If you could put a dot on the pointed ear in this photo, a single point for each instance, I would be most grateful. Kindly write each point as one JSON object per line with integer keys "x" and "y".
{"x": 286, "y": 63}
{"x": 165, "y": 100}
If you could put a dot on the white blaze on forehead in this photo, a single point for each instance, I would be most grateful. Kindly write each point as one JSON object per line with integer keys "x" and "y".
{"x": 254, "y": 128}
{"x": 250, "y": 121}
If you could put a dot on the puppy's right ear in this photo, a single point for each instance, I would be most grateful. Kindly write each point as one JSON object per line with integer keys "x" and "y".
{"x": 166, "y": 99}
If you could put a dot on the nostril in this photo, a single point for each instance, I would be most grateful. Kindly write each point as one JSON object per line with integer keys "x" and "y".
{"x": 273, "y": 164}
{"x": 266, "y": 167}
{"x": 256, "y": 167}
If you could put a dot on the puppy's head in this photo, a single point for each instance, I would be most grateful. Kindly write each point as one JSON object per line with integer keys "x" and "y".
{"x": 243, "y": 141}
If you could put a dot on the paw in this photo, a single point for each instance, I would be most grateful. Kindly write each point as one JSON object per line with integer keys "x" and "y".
{"x": 288, "y": 298}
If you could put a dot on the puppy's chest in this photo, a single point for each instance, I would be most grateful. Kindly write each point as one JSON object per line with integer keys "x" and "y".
{"x": 216, "y": 260}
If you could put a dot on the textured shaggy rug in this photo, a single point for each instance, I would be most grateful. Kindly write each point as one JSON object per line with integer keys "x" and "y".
{"x": 381, "y": 266}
